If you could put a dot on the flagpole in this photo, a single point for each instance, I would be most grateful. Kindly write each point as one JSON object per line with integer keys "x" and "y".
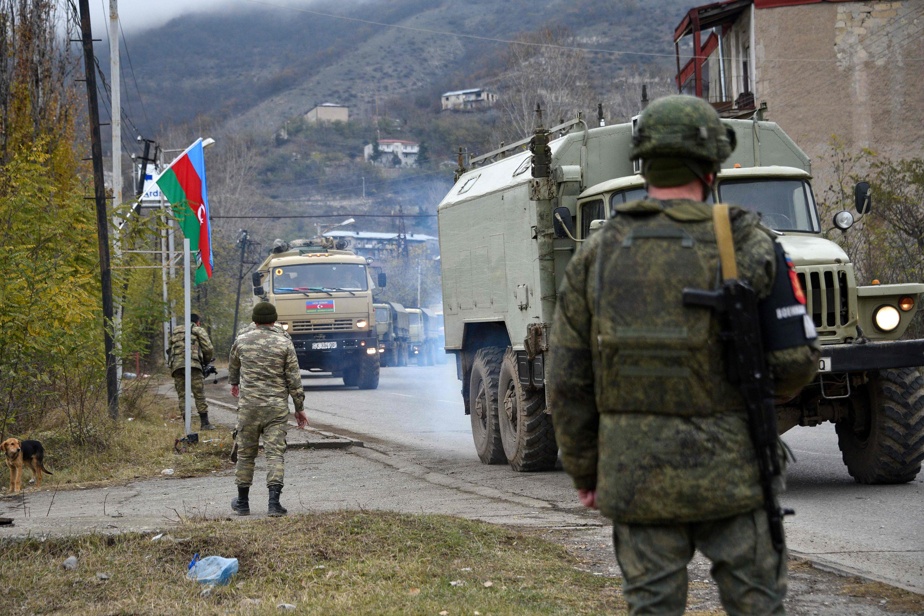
{"x": 188, "y": 329}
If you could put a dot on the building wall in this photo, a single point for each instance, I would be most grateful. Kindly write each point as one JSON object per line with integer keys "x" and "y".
{"x": 850, "y": 69}
{"x": 328, "y": 114}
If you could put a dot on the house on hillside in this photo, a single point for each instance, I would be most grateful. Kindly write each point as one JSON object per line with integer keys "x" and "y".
{"x": 392, "y": 153}
{"x": 822, "y": 68}
{"x": 467, "y": 100}
{"x": 328, "y": 112}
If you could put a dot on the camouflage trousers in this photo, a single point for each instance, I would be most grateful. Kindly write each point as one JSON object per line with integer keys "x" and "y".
{"x": 750, "y": 574}
{"x": 197, "y": 385}
{"x": 271, "y": 423}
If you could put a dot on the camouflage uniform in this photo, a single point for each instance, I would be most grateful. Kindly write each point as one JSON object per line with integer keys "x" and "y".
{"x": 201, "y": 353}
{"x": 644, "y": 414}
{"x": 263, "y": 362}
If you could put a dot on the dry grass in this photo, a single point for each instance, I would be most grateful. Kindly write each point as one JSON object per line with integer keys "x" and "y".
{"x": 332, "y": 563}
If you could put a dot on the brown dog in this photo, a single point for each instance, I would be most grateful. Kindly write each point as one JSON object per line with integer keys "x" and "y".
{"x": 24, "y": 453}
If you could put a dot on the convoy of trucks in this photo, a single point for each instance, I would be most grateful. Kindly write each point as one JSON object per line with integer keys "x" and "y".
{"x": 393, "y": 330}
{"x": 323, "y": 295}
{"x": 514, "y": 218}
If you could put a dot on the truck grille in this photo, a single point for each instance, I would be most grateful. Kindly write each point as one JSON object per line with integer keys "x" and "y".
{"x": 327, "y": 325}
{"x": 828, "y": 297}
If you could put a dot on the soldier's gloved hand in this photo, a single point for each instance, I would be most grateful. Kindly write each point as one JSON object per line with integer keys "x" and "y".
{"x": 301, "y": 418}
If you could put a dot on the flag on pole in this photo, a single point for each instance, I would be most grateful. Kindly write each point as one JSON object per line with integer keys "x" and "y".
{"x": 183, "y": 185}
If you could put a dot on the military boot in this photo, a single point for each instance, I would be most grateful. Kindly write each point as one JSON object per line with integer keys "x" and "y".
{"x": 275, "y": 510}
{"x": 204, "y": 422}
{"x": 241, "y": 504}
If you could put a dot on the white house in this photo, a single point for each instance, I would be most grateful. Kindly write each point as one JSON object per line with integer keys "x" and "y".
{"x": 393, "y": 153}
{"x": 467, "y": 100}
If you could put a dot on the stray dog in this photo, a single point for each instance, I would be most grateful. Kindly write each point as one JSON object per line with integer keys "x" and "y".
{"x": 24, "y": 453}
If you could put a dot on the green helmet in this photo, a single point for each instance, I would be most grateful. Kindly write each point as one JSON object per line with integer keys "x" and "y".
{"x": 682, "y": 127}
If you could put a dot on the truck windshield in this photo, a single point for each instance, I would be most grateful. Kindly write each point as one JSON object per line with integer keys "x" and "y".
{"x": 784, "y": 205}
{"x": 320, "y": 277}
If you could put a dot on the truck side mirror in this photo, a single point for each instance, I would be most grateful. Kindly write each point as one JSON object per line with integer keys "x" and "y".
{"x": 863, "y": 198}
{"x": 382, "y": 279}
{"x": 257, "y": 279}
{"x": 562, "y": 222}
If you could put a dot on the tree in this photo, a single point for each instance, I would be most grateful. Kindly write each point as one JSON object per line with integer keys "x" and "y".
{"x": 51, "y": 356}
{"x": 547, "y": 69}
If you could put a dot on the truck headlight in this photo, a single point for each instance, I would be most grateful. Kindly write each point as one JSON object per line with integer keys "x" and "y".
{"x": 362, "y": 323}
{"x": 285, "y": 326}
{"x": 886, "y": 318}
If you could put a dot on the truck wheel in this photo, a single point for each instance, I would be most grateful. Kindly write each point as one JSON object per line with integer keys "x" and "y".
{"x": 483, "y": 391}
{"x": 525, "y": 428}
{"x": 882, "y": 440}
{"x": 351, "y": 376}
{"x": 369, "y": 372}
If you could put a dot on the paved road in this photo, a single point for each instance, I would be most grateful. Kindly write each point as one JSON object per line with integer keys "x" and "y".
{"x": 417, "y": 414}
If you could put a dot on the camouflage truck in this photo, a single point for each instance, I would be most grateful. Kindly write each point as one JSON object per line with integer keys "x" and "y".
{"x": 391, "y": 326}
{"x": 514, "y": 218}
{"x": 323, "y": 295}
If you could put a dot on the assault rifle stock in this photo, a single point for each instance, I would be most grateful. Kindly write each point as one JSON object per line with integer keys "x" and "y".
{"x": 736, "y": 303}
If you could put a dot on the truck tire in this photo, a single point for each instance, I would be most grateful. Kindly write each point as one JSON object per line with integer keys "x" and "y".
{"x": 483, "y": 405}
{"x": 351, "y": 376}
{"x": 369, "y": 372}
{"x": 525, "y": 428}
{"x": 882, "y": 440}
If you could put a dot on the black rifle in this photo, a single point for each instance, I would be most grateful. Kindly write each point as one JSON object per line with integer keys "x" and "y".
{"x": 736, "y": 303}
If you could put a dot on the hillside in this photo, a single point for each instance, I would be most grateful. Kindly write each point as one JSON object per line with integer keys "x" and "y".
{"x": 256, "y": 67}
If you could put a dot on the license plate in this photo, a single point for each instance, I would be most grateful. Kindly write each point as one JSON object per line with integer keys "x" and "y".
{"x": 323, "y": 345}
{"x": 824, "y": 364}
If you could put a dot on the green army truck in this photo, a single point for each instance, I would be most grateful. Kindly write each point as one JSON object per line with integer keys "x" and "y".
{"x": 391, "y": 326}
{"x": 514, "y": 218}
{"x": 323, "y": 295}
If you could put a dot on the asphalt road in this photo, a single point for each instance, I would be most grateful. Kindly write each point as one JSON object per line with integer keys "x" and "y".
{"x": 417, "y": 413}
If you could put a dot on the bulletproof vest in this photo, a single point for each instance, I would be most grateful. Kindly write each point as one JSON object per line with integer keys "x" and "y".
{"x": 657, "y": 355}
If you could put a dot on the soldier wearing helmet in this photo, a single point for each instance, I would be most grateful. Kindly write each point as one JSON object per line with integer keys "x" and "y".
{"x": 649, "y": 426}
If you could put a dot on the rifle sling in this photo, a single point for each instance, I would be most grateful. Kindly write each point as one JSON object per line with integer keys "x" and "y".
{"x": 723, "y": 237}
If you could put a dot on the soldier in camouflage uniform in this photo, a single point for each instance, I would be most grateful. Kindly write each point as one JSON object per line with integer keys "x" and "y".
{"x": 650, "y": 428}
{"x": 263, "y": 372}
{"x": 201, "y": 353}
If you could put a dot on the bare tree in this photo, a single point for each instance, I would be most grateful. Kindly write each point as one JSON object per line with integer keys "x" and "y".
{"x": 546, "y": 69}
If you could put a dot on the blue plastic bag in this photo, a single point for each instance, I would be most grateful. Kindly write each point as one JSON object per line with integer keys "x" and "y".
{"x": 214, "y": 570}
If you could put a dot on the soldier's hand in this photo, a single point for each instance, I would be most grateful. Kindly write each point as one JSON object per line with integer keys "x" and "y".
{"x": 588, "y": 498}
{"x": 301, "y": 418}
{"x": 235, "y": 390}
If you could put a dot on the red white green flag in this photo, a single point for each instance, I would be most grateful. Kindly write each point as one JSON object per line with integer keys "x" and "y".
{"x": 184, "y": 186}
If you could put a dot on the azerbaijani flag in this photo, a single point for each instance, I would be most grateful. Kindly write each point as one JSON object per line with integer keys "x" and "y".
{"x": 183, "y": 185}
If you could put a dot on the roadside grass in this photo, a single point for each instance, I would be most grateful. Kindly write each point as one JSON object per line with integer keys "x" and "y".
{"x": 346, "y": 562}
{"x": 89, "y": 449}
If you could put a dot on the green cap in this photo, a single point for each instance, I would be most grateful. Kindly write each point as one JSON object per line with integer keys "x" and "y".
{"x": 264, "y": 313}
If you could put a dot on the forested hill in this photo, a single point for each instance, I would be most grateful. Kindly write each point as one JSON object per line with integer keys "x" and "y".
{"x": 259, "y": 64}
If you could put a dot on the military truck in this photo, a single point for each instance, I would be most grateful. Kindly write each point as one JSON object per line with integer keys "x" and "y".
{"x": 323, "y": 295}
{"x": 391, "y": 326}
{"x": 514, "y": 218}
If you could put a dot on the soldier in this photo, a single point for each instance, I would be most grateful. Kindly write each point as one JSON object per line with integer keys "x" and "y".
{"x": 263, "y": 372}
{"x": 651, "y": 429}
{"x": 201, "y": 353}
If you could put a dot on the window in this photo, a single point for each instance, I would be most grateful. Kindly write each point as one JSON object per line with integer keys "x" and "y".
{"x": 320, "y": 277}
{"x": 625, "y": 196}
{"x": 590, "y": 211}
{"x": 784, "y": 205}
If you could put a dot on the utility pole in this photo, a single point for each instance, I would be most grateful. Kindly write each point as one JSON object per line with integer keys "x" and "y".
{"x": 242, "y": 240}
{"x": 102, "y": 217}
{"x": 116, "y": 167}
